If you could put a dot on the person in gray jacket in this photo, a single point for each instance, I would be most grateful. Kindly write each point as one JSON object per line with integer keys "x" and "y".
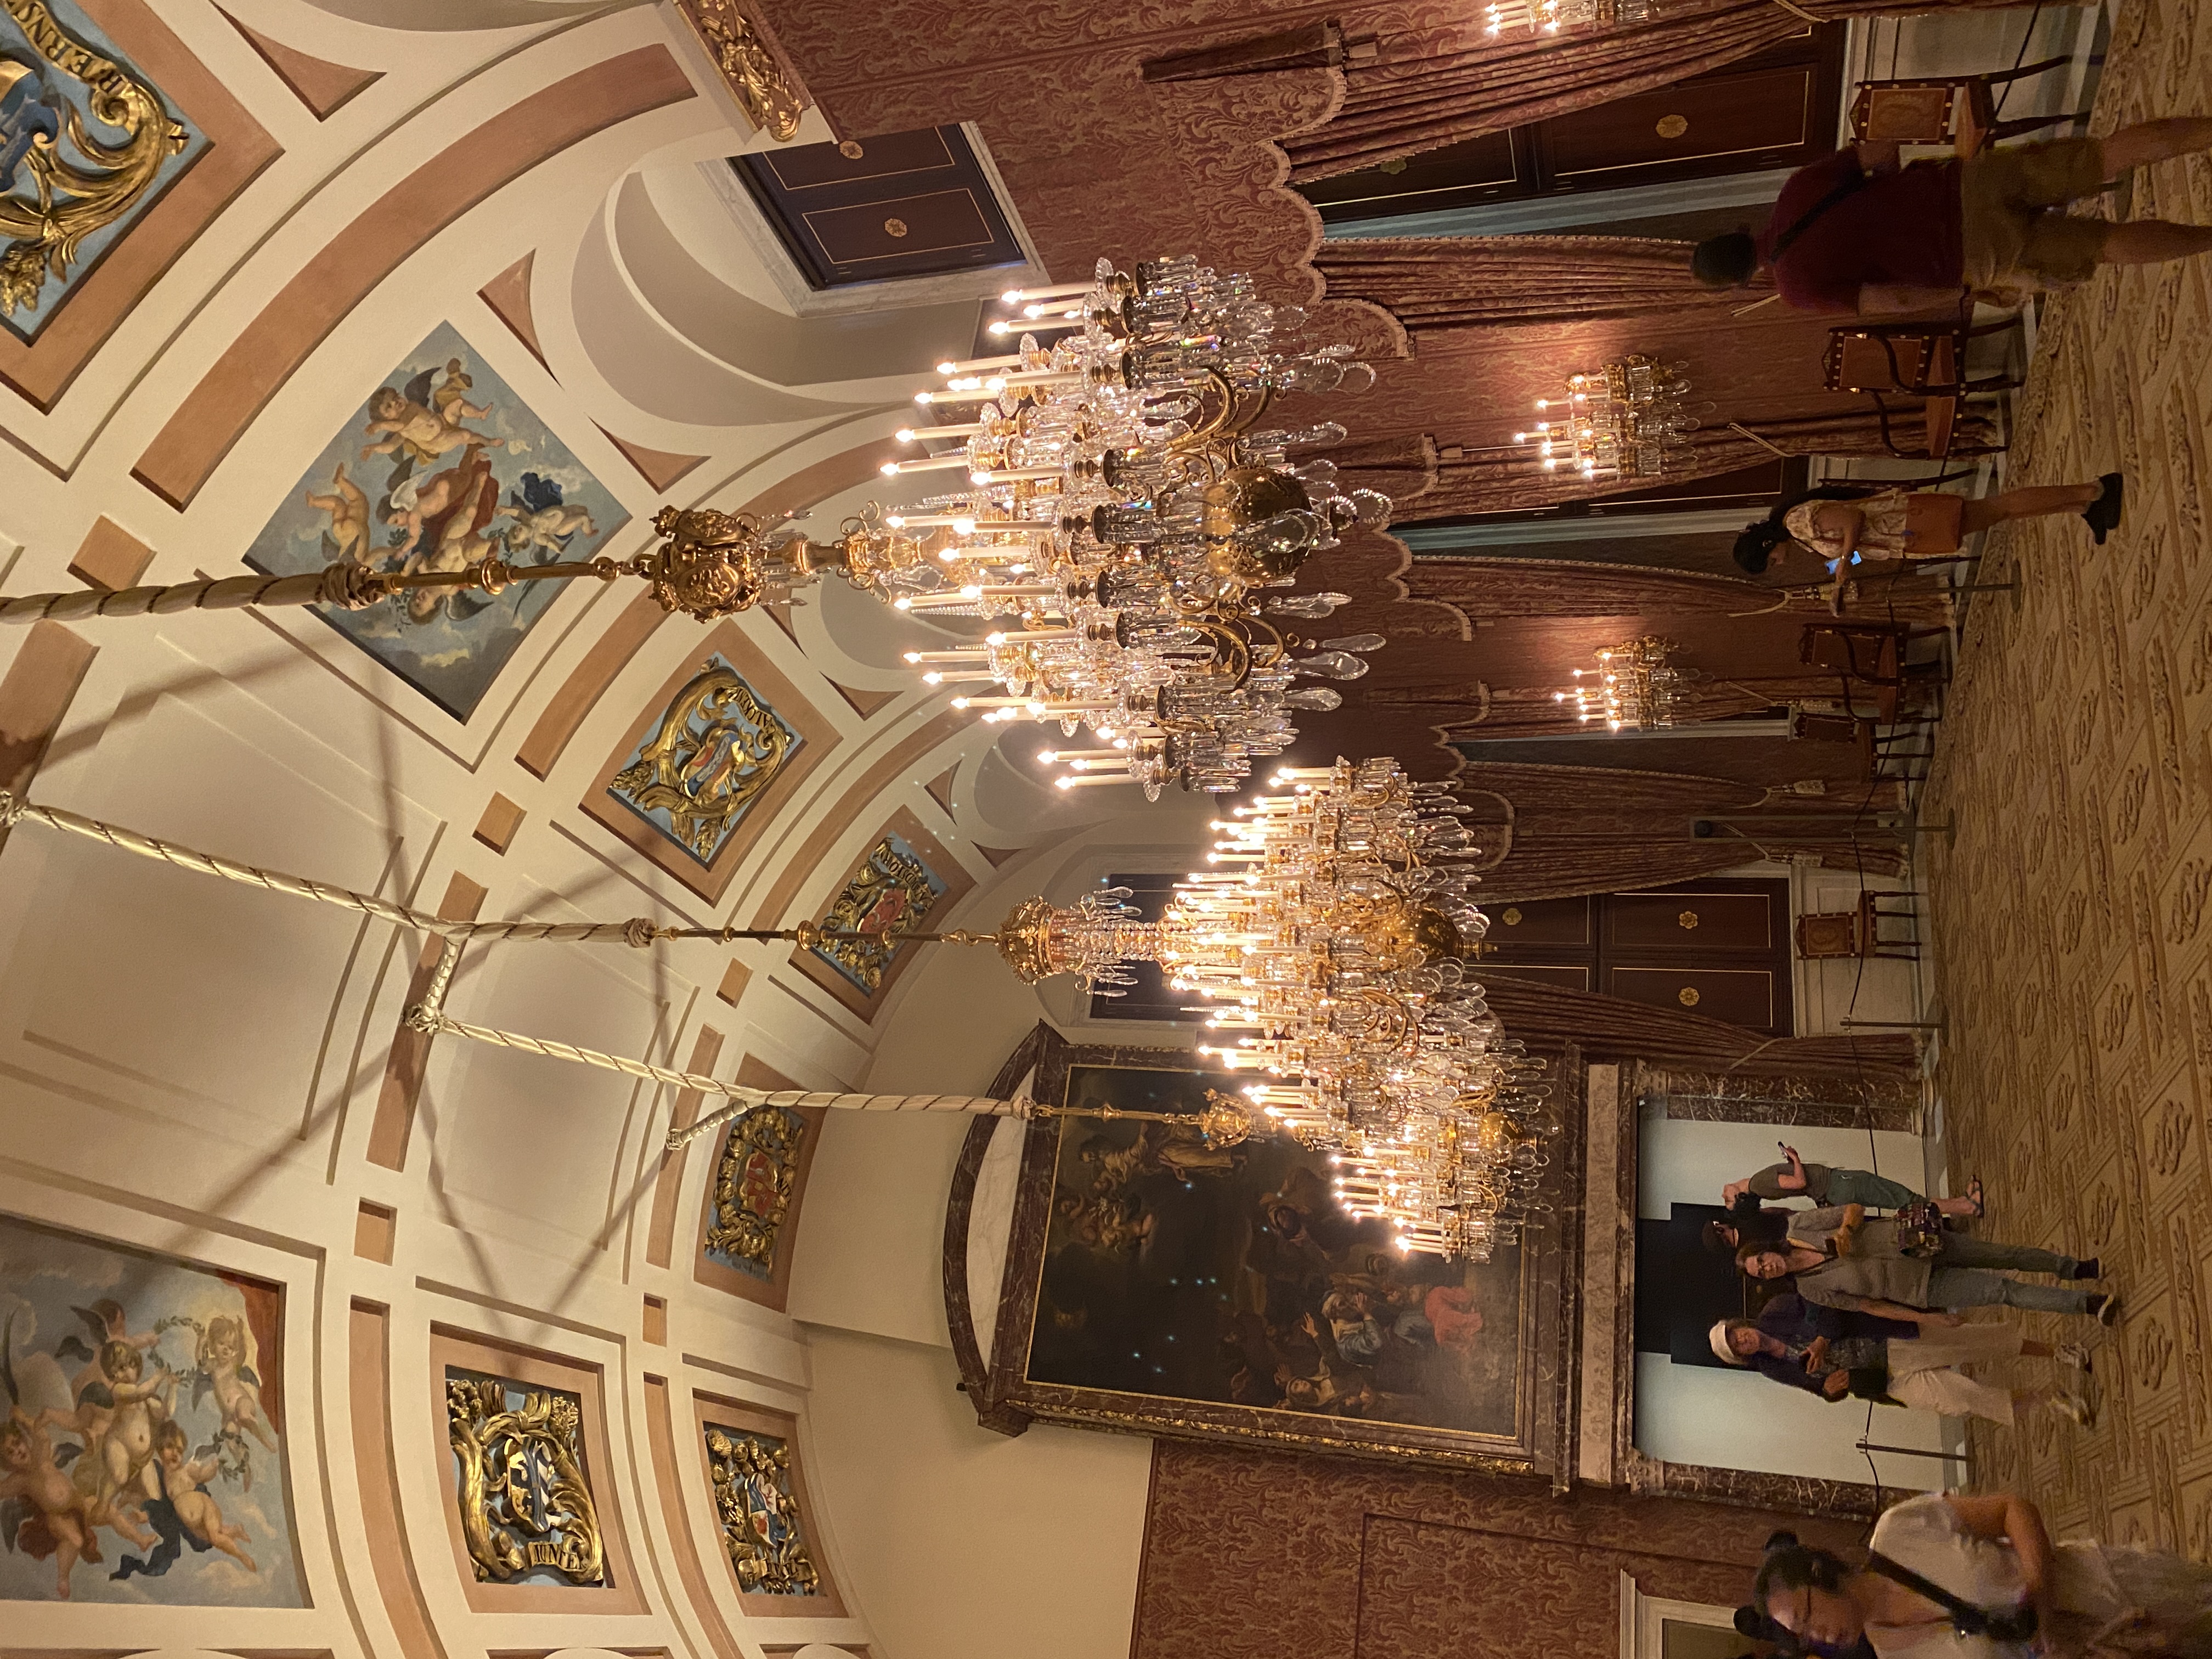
{"x": 1840, "y": 1258}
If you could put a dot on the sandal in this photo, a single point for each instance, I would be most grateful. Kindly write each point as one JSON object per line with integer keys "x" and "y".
{"x": 2076, "y": 1410}
{"x": 1976, "y": 1196}
{"x": 2103, "y": 514}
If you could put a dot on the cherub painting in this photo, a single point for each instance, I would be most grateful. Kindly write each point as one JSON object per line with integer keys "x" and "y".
{"x": 440, "y": 466}
{"x": 141, "y": 1449}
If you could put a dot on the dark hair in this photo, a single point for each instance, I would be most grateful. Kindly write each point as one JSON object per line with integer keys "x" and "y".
{"x": 1756, "y": 545}
{"x": 1792, "y": 1565}
{"x": 1752, "y": 1248}
{"x": 1717, "y": 1241}
{"x": 1728, "y": 260}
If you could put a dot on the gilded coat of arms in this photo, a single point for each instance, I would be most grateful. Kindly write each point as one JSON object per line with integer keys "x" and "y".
{"x": 890, "y": 896}
{"x": 761, "y": 1530}
{"x": 716, "y": 746}
{"x": 84, "y": 140}
{"x": 752, "y": 1188}
{"x": 526, "y": 1513}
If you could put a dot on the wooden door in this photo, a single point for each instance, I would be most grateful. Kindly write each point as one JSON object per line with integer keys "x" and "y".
{"x": 867, "y": 210}
{"x": 1719, "y": 948}
{"x": 1736, "y": 121}
{"x": 1716, "y": 948}
{"x": 1777, "y": 108}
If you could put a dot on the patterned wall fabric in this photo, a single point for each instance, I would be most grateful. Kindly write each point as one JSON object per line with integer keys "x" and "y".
{"x": 1247, "y": 1554}
{"x": 2074, "y": 963}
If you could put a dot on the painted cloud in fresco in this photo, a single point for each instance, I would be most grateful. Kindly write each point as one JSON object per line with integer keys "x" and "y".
{"x": 440, "y": 466}
{"x": 142, "y": 1448}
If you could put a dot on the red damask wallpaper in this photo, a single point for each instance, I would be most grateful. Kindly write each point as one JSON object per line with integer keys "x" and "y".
{"x": 1249, "y": 1554}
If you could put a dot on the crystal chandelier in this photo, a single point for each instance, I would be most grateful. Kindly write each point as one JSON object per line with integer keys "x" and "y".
{"x": 1118, "y": 509}
{"x": 1634, "y": 687}
{"x": 1332, "y": 934}
{"x": 1621, "y": 421}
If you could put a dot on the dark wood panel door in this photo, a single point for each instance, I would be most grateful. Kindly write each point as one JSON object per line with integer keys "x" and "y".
{"x": 1776, "y": 108}
{"x": 1719, "y": 947}
{"x": 1718, "y": 123}
{"x": 1689, "y": 919}
{"x": 867, "y": 210}
{"x": 1543, "y": 924}
{"x": 1566, "y": 976}
{"x": 1498, "y": 166}
{"x": 1741, "y": 996}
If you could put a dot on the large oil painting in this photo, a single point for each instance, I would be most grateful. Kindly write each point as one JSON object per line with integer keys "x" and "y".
{"x": 441, "y": 465}
{"x": 1233, "y": 1274}
{"x": 88, "y": 143}
{"x": 143, "y": 1454}
{"x": 1161, "y": 1284}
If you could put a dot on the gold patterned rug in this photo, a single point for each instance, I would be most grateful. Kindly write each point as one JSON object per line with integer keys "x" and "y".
{"x": 2073, "y": 961}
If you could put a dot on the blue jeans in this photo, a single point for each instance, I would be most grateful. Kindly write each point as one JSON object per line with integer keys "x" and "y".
{"x": 1969, "y": 1274}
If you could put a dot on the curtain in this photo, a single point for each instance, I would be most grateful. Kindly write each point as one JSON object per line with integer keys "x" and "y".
{"x": 1575, "y": 588}
{"x": 1499, "y": 480}
{"x": 1429, "y": 283}
{"x": 1548, "y": 1018}
{"x": 1564, "y": 831}
{"x": 1443, "y": 85}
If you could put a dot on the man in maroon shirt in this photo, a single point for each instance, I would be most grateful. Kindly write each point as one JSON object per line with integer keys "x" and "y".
{"x": 1857, "y": 232}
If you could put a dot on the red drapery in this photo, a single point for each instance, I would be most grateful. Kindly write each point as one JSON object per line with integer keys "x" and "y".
{"x": 1431, "y": 283}
{"x": 1450, "y": 82}
{"x": 1547, "y": 1018}
{"x": 1507, "y": 480}
{"x": 1564, "y": 831}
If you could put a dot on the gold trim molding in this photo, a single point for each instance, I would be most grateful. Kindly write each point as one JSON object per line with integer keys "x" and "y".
{"x": 750, "y": 69}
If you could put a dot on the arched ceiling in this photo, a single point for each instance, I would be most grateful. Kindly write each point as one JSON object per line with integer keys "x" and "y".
{"x": 219, "y": 1077}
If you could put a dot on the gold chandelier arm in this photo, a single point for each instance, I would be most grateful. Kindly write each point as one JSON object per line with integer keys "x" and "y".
{"x": 350, "y": 586}
{"x": 1216, "y": 422}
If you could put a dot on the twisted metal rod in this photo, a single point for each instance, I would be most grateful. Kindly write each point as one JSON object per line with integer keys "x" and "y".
{"x": 637, "y": 931}
{"x": 428, "y": 1016}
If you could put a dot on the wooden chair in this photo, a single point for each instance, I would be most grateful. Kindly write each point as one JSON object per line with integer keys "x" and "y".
{"x": 1923, "y": 112}
{"x": 1871, "y": 916}
{"x": 1925, "y": 361}
{"x": 1831, "y": 934}
{"x": 1879, "y": 756}
{"x": 1870, "y": 654}
{"x": 1826, "y": 935}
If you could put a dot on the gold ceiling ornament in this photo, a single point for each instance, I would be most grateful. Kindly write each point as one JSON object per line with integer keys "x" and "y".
{"x": 525, "y": 1507}
{"x": 712, "y": 752}
{"x": 750, "y": 1195}
{"x": 69, "y": 199}
{"x": 762, "y": 1533}
{"x": 748, "y": 68}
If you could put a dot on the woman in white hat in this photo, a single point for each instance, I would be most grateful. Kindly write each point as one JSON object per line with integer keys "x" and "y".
{"x": 1923, "y": 1371}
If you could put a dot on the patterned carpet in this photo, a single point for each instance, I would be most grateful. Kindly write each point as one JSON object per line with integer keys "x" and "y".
{"x": 2073, "y": 963}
